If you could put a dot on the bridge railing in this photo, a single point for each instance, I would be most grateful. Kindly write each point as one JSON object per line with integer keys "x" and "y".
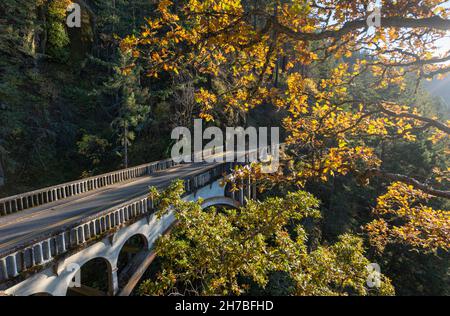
{"x": 45, "y": 249}
{"x": 55, "y": 193}
{"x": 50, "y": 246}
{"x": 40, "y": 197}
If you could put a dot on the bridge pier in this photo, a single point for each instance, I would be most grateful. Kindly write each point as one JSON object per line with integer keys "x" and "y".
{"x": 113, "y": 282}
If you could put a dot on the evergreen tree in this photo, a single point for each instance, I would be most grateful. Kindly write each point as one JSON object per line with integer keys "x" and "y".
{"x": 130, "y": 108}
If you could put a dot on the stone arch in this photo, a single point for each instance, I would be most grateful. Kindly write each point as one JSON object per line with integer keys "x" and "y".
{"x": 41, "y": 294}
{"x": 220, "y": 200}
{"x": 137, "y": 236}
{"x": 130, "y": 256}
{"x": 94, "y": 277}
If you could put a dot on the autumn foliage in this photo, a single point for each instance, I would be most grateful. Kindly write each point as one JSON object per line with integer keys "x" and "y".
{"x": 266, "y": 52}
{"x": 229, "y": 252}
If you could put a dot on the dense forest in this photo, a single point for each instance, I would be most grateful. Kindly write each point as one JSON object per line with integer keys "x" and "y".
{"x": 64, "y": 101}
{"x": 76, "y": 102}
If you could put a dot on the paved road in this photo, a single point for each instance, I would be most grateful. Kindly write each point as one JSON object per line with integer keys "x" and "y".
{"x": 27, "y": 225}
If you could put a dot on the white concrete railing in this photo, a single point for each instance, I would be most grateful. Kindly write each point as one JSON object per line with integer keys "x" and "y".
{"x": 55, "y": 193}
{"x": 45, "y": 249}
{"x": 39, "y": 197}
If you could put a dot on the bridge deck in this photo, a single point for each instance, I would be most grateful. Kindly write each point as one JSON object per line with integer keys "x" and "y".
{"x": 29, "y": 224}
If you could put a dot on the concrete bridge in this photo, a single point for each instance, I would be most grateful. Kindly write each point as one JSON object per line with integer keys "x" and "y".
{"x": 48, "y": 235}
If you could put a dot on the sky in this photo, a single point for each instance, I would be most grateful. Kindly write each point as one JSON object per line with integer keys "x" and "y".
{"x": 444, "y": 43}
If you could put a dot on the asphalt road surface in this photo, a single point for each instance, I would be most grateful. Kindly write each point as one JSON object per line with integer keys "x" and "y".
{"x": 23, "y": 226}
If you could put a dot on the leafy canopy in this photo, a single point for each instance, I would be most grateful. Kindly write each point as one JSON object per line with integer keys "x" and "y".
{"x": 223, "y": 252}
{"x": 263, "y": 52}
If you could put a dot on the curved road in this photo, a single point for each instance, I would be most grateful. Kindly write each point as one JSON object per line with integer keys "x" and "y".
{"x": 23, "y": 226}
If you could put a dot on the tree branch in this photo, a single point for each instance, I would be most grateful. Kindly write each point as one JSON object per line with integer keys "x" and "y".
{"x": 435, "y": 22}
{"x": 429, "y": 121}
{"x": 411, "y": 181}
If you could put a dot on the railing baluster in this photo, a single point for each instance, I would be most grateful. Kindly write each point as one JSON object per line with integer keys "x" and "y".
{"x": 4, "y": 269}
{"x": 14, "y": 265}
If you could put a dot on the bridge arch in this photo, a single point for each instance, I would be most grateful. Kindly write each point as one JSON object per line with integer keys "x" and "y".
{"x": 94, "y": 277}
{"x": 221, "y": 200}
{"x": 41, "y": 294}
{"x": 129, "y": 258}
{"x": 140, "y": 238}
